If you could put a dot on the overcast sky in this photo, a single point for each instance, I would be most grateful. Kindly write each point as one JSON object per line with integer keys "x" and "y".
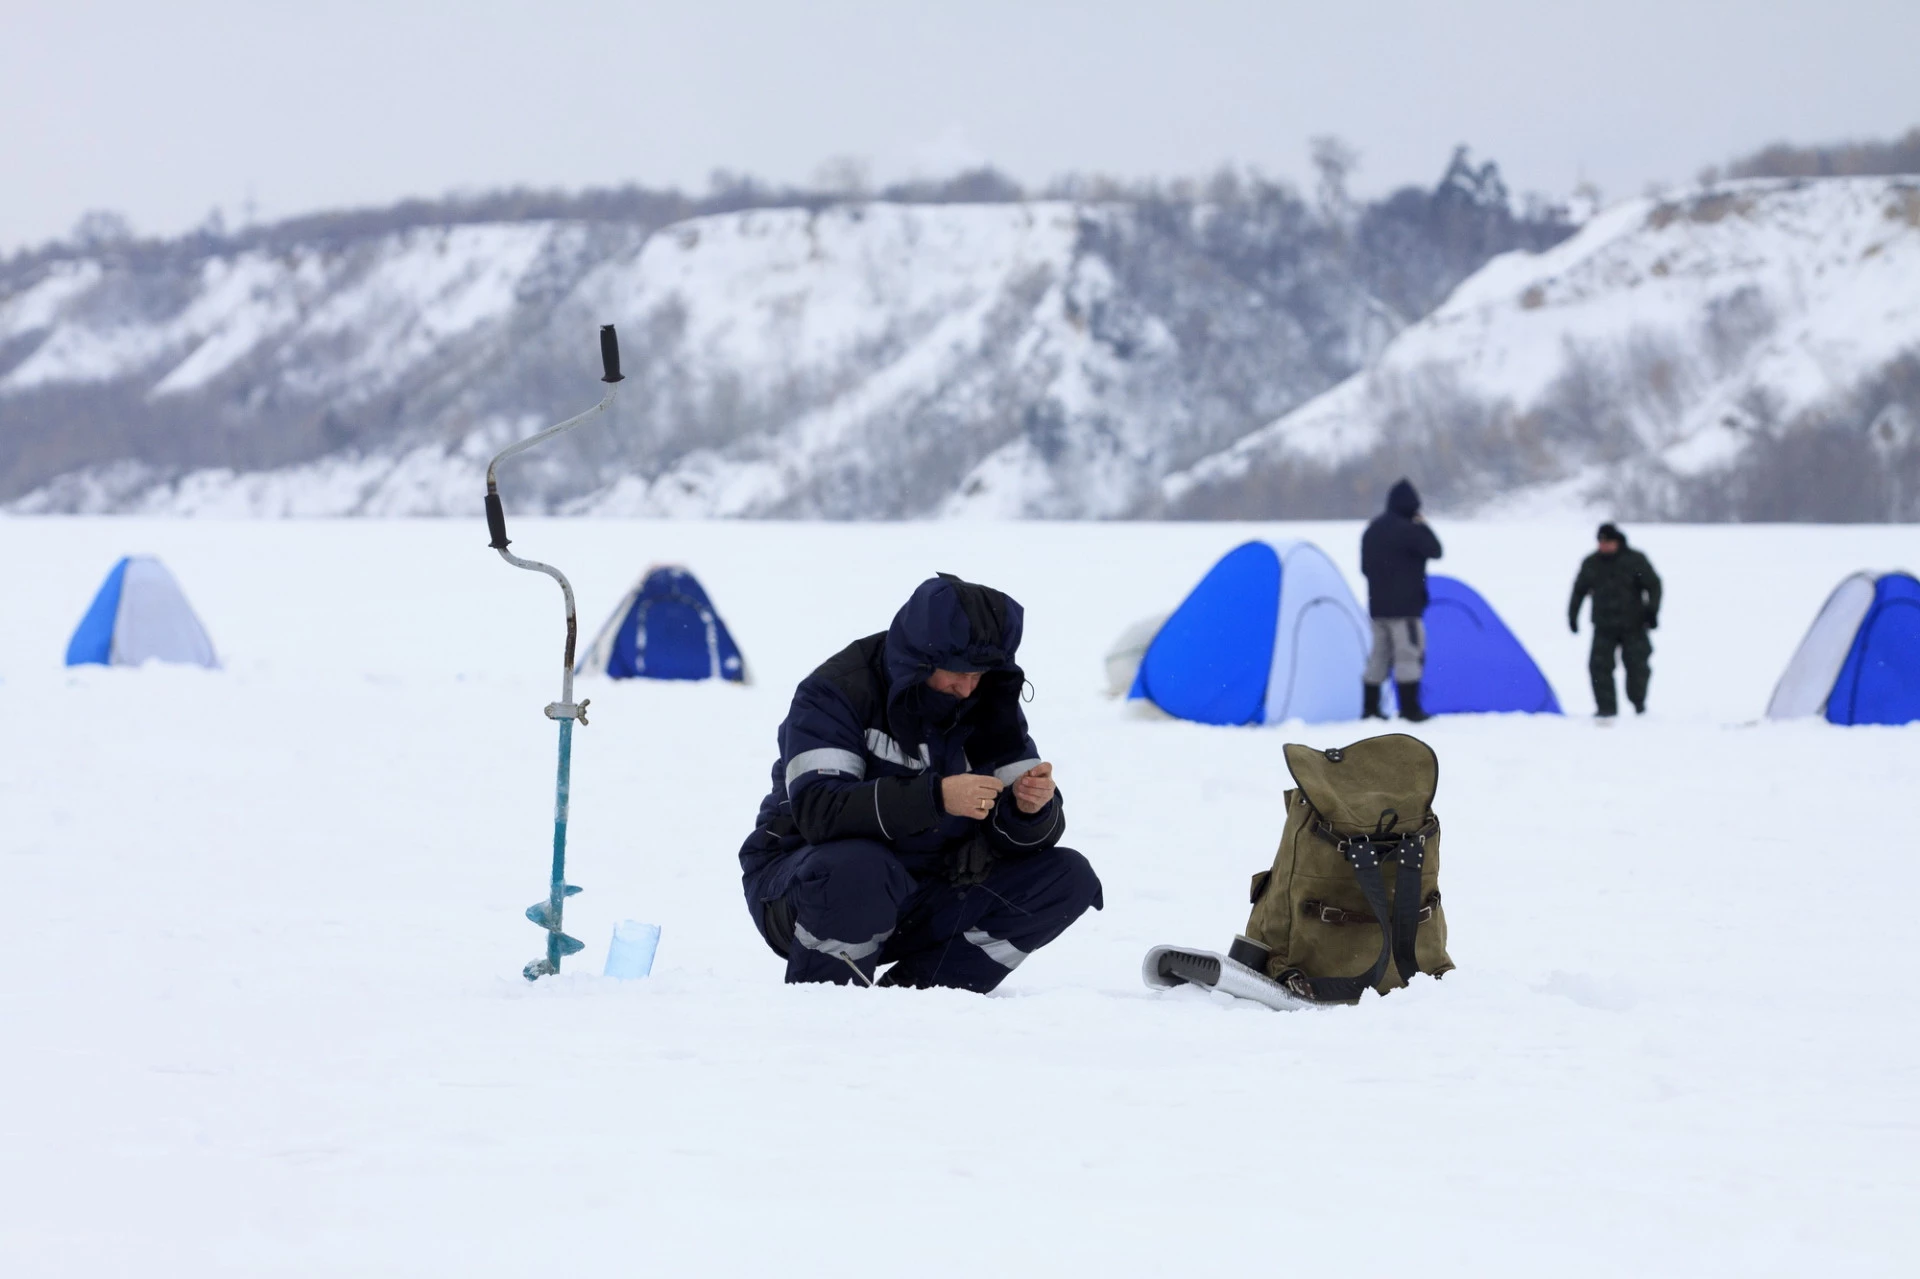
{"x": 164, "y": 111}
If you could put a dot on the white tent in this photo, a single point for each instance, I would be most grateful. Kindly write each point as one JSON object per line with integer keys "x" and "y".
{"x": 1808, "y": 679}
{"x": 139, "y": 614}
{"x": 1123, "y": 659}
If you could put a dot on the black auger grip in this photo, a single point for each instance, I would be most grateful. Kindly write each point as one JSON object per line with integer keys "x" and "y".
{"x": 496, "y": 522}
{"x": 610, "y": 353}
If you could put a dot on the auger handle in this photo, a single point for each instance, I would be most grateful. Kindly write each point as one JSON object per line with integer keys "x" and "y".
{"x": 496, "y": 514}
{"x": 496, "y": 522}
{"x": 610, "y": 353}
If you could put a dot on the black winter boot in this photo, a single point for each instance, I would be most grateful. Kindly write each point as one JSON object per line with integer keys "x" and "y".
{"x": 1410, "y": 702}
{"x": 1370, "y": 702}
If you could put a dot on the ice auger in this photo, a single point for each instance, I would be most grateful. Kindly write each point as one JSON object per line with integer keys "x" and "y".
{"x": 547, "y": 914}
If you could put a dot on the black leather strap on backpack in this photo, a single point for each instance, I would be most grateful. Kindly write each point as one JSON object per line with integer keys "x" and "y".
{"x": 1399, "y": 925}
{"x": 1406, "y": 903}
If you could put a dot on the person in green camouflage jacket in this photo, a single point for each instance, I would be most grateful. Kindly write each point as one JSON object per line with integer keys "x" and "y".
{"x": 1626, "y": 605}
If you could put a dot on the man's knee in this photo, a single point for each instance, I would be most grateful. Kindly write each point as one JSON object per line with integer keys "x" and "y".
{"x": 1060, "y": 882}
{"x": 1051, "y": 892}
{"x": 1080, "y": 883}
{"x": 850, "y": 888}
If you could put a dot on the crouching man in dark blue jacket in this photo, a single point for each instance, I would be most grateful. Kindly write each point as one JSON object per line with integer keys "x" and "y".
{"x": 912, "y": 821}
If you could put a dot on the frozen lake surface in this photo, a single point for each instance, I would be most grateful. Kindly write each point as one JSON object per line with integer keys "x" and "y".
{"x": 264, "y": 1015}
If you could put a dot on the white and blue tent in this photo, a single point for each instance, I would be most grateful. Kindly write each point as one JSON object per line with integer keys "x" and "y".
{"x": 665, "y": 628}
{"x": 1271, "y": 633}
{"x": 140, "y": 615}
{"x": 1860, "y": 660}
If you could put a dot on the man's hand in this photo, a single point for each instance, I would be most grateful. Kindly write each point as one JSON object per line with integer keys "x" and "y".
{"x": 971, "y": 794}
{"x": 1573, "y": 624}
{"x": 1033, "y": 788}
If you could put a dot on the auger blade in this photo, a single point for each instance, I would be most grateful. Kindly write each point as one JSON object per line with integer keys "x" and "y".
{"x": 545, "y": 967}
{"x": 539, "y": 912}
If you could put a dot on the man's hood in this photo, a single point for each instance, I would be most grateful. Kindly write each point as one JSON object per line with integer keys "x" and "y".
{"x": 952, "y": 625}
{"x": 1403, "y": 501}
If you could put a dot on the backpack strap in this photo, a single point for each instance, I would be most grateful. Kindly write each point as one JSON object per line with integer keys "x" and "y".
{"x": 1406, "y": 902}
{"x": 1364, "y": 858}
{"x": 1399, "y": 925}
{"x": 1334, "y": 915}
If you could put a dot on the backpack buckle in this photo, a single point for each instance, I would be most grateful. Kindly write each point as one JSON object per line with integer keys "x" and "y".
{"x": 1333, "y": 915}
{"x": 1359, "y": 851}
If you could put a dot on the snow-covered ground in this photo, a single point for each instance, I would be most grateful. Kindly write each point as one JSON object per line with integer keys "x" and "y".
{"x": 263, "y": 1013}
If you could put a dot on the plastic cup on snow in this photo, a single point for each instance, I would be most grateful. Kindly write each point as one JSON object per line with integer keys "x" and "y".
{"x": 631, "y": 952}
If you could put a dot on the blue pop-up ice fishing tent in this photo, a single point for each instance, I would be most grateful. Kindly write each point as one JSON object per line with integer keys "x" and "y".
{"x": 665, "y": 628}
{"x": 1860, "y": 660}
{"x": 139, "y": 614}
{"x": 1271, "y": 633}
{"x": 1474, "y": 663}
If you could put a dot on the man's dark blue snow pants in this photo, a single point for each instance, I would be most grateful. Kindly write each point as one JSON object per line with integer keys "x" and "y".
{"x": 851, "y": 903}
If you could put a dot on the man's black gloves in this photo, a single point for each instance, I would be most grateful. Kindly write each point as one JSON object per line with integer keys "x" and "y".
{"x": 1653, "y": 621}
{"x": 969, "y": 861}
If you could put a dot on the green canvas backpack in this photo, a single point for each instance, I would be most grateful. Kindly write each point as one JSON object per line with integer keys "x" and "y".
{"x": 1327, "y": 920}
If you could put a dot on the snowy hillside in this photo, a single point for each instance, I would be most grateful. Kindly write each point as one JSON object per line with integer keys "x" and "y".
{"x": 876, "y": 360}
{"x": 1750, "y": 351}
{"x": 266, "y": 354}
{"x": 858, "y": 360}
{"x": 265, "y": 1016}
{"x": 1698, "y": 357}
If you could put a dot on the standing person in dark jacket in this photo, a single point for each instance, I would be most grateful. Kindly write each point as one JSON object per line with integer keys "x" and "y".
{"x": 1626, "y": 605}
{"x": 912, "y": 820}
{"x": 1393, "y": 555}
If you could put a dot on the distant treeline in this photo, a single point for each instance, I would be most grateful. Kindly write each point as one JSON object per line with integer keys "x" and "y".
{"x": 1834, "y": 160}
{"x": 841, "y": 181}
{"x": 106, "y": 234}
